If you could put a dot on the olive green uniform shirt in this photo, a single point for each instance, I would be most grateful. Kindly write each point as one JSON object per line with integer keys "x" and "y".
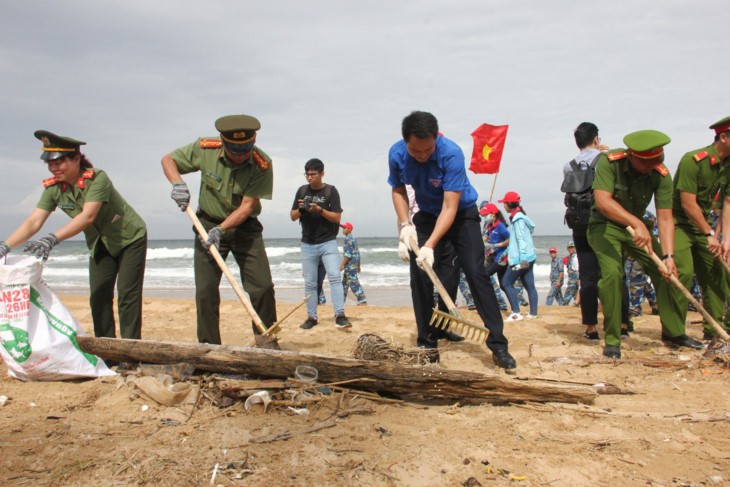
{"x": 704, "y": 178}
{"x": 223, "y": 184}
{"x": 117, "y": 225}
{"x": 631, "y": 190}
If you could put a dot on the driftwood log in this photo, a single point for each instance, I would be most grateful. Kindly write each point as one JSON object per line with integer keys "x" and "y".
{"x": 426, "y": 381}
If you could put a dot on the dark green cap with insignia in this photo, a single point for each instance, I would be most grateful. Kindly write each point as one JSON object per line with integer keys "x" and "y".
{"x": 721, "y": 126}
{"x": 646, "y": 144}
{"x": 237, "y": 129}
{"x": 55, "y": 146}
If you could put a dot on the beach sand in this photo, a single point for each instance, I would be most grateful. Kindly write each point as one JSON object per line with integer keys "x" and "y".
{"x": 672, "y": 429}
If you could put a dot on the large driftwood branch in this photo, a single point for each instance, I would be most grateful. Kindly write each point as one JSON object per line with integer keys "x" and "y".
{"x": 427, "y": 381}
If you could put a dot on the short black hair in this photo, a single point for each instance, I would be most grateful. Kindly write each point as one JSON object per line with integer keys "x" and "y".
{"x": 422, "y": 125}
{"x": 314, "y": 165}
{"x": 584, "y": 134}
{"x": 717, "y": 136}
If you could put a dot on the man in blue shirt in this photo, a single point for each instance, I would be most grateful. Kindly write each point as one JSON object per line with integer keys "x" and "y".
{"x": 434, "y": 167}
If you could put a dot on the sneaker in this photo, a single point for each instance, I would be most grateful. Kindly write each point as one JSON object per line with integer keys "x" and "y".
{"x": 310, "y": 323}
{"x": 504, "y": 360}
{"x": 624, "y": 333}
{"x": 362, "y": 303}
{"x": 531, "y": 317}
{"x": 592, "y": 336}
{"x": 341, "y": 322}
{"x": 514, "y": 317}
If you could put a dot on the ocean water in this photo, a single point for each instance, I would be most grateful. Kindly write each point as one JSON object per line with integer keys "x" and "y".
{"x": 169, "y": 269}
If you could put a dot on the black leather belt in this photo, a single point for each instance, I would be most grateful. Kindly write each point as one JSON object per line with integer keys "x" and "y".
{"x": 203, "y": 215}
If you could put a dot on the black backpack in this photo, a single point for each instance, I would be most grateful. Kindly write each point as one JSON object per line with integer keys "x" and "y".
{"x": 578, "y": 189}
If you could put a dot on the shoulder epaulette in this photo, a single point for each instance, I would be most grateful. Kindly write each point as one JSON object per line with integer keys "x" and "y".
{"x": 616, "y": 155}
{"x": 210, "y": 143}
{"x": 662, "y": 169}
{"x": 88, "y": 174}
{"x": 700, "y": 155}
{"x": 50, "y": 182}
{"x": 260, "y": 161}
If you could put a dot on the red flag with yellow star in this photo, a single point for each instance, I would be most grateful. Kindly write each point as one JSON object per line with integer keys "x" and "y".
{"x": 488, "y": 147}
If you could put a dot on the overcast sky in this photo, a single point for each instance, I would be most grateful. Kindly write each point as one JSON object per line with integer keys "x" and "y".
{"x": 334, "y": 79}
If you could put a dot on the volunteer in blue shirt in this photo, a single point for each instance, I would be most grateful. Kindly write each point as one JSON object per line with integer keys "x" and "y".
{"x": 434, "y": 167}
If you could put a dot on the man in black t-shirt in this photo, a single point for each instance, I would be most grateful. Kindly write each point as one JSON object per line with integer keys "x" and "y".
{"x": 317, "y": 207}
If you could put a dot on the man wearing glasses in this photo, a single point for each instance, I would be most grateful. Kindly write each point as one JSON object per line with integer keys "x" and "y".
{"x": 317, "y": 207}
{"x": 235, "y": 175}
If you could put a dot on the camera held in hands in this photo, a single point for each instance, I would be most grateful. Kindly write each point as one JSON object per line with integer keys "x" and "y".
{"x": 304, "y": 207}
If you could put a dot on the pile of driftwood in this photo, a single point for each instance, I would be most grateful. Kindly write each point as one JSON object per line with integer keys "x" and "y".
{"x": 428, "y": 382}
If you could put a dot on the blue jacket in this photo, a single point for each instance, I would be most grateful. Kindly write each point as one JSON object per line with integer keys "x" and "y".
{"x": 521, "y": 246}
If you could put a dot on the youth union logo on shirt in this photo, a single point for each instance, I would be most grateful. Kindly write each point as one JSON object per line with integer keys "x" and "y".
{"x": 435, "y": 182}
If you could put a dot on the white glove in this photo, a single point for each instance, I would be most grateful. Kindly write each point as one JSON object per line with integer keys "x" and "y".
{"x": 406, "y": 233}
{"x": 425, "y": 255}
{"x": 403, "y": 252}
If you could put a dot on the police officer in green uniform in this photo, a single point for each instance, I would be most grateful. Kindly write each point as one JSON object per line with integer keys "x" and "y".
{"x": 115, "y": 234}
{"x": 625, "y": 182}
{"x": 235, "y": 175}
{"x": 701, "y": 174}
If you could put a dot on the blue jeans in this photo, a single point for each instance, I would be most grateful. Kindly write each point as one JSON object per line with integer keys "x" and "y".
{"x": 528, "y": 280}
{"x": 330, "y": 255}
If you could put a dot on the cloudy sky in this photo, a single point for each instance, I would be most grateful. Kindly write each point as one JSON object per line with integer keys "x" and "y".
{"x": 333, "y": 80}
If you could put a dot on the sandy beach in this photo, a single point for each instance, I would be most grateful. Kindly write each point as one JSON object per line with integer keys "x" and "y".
{"x": 669, "y": 426}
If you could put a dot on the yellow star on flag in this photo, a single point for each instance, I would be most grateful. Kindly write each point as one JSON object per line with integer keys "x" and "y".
{"x": 486, "y": 151}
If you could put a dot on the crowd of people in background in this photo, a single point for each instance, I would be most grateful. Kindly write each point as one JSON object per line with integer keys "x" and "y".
{"x": 619, "y": 252}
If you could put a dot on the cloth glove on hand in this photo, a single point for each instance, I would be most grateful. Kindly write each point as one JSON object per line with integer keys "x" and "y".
{"x": 406, "y": 233}
{"x": 42, "y": 247}
{"x": 181, "y": 195}
{"x": 214, "y": 238}
{"x": 4, "y": 249}
{"x": 522, "y": 265}
{"x": 403, "y": 252}
{"x": 425, "y": 255}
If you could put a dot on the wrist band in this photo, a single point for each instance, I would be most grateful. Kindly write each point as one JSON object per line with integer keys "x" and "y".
{"x": 667, "y": 256}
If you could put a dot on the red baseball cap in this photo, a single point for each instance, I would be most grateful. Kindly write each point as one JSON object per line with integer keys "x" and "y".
{"x": 347, "y": 225}
{"x": 510, "y": 197}
{"x": 488, "y": 209}
{"x": 553, "y": 249}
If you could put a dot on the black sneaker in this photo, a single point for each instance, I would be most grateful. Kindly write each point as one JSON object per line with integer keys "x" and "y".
{"x": 592, "y": 336}
{"x": 504, "y": 360}
{"x": 310, "y": 323}
{"x": 624, "y": 333}
{"x": 341, "y": 322}
{"x": 611, "y": 351}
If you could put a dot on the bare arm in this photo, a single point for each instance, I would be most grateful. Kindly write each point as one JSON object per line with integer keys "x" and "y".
{"x": 725, "y": 222}
{"x": 240, "y": 214}
{"x": 617, "y": 213}
{"x": 694, "y": 213}
{"x": 169, "y": 167}
{"x": 400, "y": 203}
{"x": 28, "y": 228}
{"x": 666, "y": 237}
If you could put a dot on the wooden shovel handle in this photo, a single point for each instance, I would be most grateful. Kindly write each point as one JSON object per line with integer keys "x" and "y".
{"x": 231, "y": 279}
{"x": 453, "y": 310}
{"x": 720, "y": 331}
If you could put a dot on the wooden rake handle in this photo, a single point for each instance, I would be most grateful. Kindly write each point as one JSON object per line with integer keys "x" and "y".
{"x": 720, "y": 331}
{"x": 453, "y": 310}
{"x": 231, "y": 279}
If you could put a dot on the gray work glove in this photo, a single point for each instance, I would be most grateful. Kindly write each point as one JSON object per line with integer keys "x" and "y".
{"x": 522, "y": 265}
{"x": 214, "y": 238}
{"x": 4, "y": 249}
{"x": 42, "y": 247}
{"x": 181, "y": 195}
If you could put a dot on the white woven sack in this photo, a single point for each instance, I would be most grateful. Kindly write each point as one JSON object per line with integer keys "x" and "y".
{"x": 37, "y": 332}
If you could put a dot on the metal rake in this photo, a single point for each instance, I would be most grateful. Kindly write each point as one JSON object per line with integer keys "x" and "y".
{"x": 451, "y": 321}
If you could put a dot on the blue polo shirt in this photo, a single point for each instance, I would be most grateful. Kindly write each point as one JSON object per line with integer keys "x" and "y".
{"x": 443, "y": 171}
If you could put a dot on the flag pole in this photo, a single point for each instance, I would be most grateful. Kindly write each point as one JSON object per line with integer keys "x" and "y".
{"x": 494, "y": 184}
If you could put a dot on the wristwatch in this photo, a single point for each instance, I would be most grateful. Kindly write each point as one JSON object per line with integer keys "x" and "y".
{"x": 711, "y": 233}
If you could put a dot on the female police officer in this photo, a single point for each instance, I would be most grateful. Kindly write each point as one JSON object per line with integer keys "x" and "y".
{"x": 115, "y": 233}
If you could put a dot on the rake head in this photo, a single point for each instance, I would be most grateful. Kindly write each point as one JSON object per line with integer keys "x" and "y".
{"x": 469, "y": 330}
